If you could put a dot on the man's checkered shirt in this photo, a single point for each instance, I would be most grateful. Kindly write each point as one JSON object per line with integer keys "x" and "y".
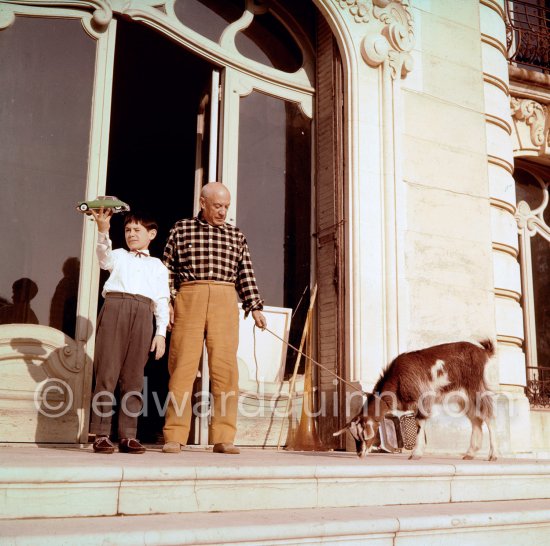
{"x": 197, "y": 251}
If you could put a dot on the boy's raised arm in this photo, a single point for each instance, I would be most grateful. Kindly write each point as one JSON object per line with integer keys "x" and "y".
{"x": 103, "y": 220}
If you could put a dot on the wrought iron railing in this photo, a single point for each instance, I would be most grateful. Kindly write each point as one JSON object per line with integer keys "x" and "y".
{"x": 528, "y": 33}
{"x": 538, "y": 386}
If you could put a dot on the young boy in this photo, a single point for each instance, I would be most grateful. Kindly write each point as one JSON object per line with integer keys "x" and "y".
{"x": 136, "y": 289}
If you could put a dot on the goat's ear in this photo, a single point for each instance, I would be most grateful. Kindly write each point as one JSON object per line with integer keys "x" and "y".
{"x": 341, "y": 431}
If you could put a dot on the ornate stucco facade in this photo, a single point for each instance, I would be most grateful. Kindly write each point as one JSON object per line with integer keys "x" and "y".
{"x": 429, "y": 120}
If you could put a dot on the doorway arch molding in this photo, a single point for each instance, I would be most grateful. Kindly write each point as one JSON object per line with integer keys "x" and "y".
{"x": 289, "y": 85}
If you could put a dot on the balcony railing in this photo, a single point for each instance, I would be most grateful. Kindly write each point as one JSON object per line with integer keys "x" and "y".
{"x": 528, "y": 33}
{"x": 538, "y": 386}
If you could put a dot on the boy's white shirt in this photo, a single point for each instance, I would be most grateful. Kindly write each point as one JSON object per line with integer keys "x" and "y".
{"x": 145, "y": 276}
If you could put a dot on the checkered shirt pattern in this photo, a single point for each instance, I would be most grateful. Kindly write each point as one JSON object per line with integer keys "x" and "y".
{"x": 197, "y": 251}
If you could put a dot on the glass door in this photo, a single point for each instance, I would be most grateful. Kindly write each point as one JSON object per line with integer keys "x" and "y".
{"x": 206, "y": 171}
{"x": 159, "y": 156}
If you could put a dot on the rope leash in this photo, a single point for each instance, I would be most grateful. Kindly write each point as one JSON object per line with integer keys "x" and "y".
{"x": 318, "y": 364}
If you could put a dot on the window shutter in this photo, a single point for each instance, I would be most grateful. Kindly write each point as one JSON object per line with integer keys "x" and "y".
{"x": 330, "y": 232}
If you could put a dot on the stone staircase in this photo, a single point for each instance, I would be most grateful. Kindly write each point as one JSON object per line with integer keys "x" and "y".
{"x": 71, "y": 496}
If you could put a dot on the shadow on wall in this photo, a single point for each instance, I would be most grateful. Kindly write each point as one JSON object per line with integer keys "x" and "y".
{"x": 63, "y": 306}
{"x": 19, "y": 310}
{"x": 65, "y": 298}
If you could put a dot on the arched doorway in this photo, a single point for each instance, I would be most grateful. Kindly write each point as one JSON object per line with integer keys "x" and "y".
{"x": 154, "y": 142}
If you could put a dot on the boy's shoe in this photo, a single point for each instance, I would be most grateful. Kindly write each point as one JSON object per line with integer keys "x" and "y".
{"x": 230, "y": 449}
{"x": 130, "y": 445}
{"x": 171, "y": 447}
{"x": 102, "y": 444}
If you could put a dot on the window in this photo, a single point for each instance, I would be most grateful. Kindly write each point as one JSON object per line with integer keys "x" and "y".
{"x": 208, "y": 17}
{"x": 43, "y": 165}
{"x": 267, "y": 41}
{"x": 528, "y": 33}
{"x": 274, "y": 203}
{"x": 533, "y": 216}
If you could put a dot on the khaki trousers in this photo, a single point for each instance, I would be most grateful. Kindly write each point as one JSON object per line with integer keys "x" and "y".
{"x": 204, "y": 311}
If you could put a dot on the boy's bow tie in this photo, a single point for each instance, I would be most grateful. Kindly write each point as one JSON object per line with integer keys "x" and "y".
{"x": 139, "y": 253}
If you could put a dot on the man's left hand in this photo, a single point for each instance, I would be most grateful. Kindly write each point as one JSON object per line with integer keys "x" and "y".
{"x": 159, "y": 346}
{"x": 259, "y": 319}
{"x": 171, "y": 316}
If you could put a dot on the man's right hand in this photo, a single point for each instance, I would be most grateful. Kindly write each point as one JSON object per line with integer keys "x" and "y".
{"x": 102, "y": 219}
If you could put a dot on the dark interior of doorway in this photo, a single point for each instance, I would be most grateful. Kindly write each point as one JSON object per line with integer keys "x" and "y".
{"x": 157, "y": 88}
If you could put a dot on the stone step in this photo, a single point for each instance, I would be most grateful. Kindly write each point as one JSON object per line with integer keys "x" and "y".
{"x": 69, "y": 482}
{"x": 502, "y": 523}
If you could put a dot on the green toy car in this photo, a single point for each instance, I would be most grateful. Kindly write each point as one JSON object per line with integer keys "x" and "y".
{"x": 105, "y": 201}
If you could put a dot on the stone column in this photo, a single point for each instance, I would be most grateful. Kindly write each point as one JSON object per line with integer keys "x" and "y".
{"x": 513, "y": 406}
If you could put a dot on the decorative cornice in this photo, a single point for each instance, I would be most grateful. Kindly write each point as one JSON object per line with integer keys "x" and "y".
{"x": 529, "y": 78}
{"x": 390, "y": 35}
{"x": 360, "y": 10}
{"x": 500, "y": 162}
{"x": 495, "y": 6}
{"x": 505, "y": 248}
{"x": 534, "y": 115}
{"x": 499, "y": 122}
{"x": 502, "y": 205}
{"x": 494, "y": 42}
{"x": 508, "y": 294}
{"x": 509, "y": 340}
{"x": 497, "y": 82}
{"x": 531, "y": 134}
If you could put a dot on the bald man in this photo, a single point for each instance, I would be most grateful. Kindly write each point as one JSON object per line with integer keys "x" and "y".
{"x": 209, "y": 264}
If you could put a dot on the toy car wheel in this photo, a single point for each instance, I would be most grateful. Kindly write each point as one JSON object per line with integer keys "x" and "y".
{"x": 83, "y": 207}
{"x": 119, "y": 208}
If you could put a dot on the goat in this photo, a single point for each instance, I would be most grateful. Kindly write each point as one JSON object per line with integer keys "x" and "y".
{"x": 417, "y": 380}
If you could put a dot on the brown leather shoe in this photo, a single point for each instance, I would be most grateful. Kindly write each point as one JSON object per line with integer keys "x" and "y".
{"x": 130, "y": 445}
{"x": 171, "y": 447}
{"x": 230, "y": 449}
{"x": 102, "y": 444}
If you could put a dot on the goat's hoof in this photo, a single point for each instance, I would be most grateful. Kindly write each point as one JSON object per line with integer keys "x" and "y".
{"x": 492, "y": 458}
{"x": 467, "y": 457}
{"x": 414, "y": 457}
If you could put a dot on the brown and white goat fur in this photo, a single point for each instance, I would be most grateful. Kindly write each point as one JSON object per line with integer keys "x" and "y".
{"x": 417, "y": 380}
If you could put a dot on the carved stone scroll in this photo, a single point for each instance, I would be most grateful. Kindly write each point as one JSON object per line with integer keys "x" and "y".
{"x": 531, "y": 128}
{"x": 390, "y": 35}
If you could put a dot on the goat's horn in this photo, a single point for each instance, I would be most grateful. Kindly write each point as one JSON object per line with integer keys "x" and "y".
{"x": 341, "y": 431}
